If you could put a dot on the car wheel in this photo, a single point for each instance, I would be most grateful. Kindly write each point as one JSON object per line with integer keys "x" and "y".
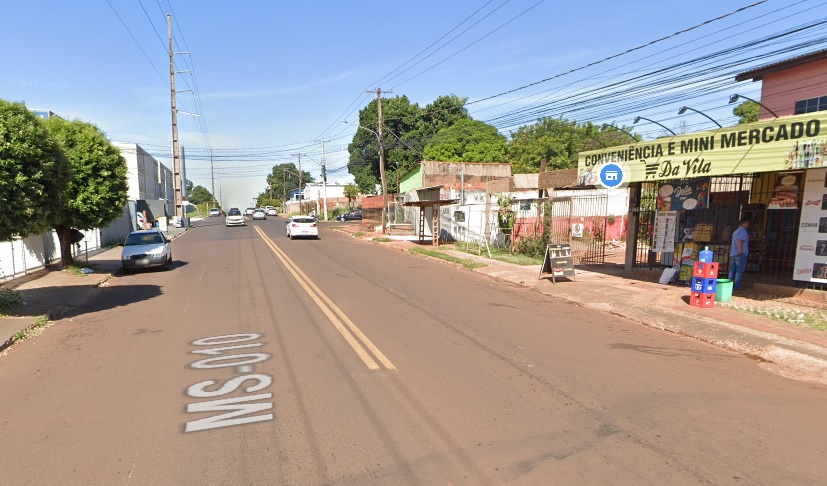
{"x": 168, "y": 263}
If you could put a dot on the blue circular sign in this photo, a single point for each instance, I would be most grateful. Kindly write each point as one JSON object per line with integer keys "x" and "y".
{"x": 611, "y": 176}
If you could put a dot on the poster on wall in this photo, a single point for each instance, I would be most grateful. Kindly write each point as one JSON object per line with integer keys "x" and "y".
{"x": 665, "y": 231}
{"x": 684, "y": 195}
{"x": 811, "y": 253}
{"x": 786, "y": 193}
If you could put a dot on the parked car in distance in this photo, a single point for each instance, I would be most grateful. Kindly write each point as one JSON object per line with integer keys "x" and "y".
{"x": 234, "y": 218}
{"x": 249, "y": 211}
{"x": 146, "y": 249}
{"x": 259, "y": 214}
{"x": 352, "y": 215}
{"x": 272, "y": 212}
{"x": 215, "y": 212}
{"x": 302, "y": 226}
{"x": 269, "y": 207}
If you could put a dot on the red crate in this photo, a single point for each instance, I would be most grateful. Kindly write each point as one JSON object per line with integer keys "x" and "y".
{"x": 705, "y": 270}
{"x": 702, "y": 300}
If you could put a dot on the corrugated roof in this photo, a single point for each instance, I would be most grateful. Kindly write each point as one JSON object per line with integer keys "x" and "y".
{"x": 759, "y": 72}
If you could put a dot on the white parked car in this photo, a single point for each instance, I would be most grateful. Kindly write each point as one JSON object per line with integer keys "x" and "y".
{"x": 234, "y": 218}
{"x": 298, "y": 226}
{"x": 146, "y": 249}
{"x": 272, "y": 212}
{"x": 249, "y": 211}
{"x": 215, "y": 212}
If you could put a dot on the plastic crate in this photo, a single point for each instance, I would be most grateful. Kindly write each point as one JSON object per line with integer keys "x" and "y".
{"x": 704, "y": 285}
{"x": 705, "y": 270}
{"x": 702, "y": 300}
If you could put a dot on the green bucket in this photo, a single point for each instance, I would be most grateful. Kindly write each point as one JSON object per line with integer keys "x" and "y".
{"x": 723, "y": 291}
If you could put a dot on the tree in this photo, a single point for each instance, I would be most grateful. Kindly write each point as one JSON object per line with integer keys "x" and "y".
{"x": 96, "y": 192}
{"x": 190, "y": 186}
{"x": 284, "y": 178}
{"x": 200, "y": 195}
{"x": 747, "y": 111}
{"x": 467, "y": 141}
{"x": 559, "y": 141}
{"x": 33, "y": 173}
{"x": 407, "y": 130}
{"x": 351, "y": 193}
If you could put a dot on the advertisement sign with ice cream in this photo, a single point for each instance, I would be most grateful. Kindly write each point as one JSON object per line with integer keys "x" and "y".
{"x": 684, "y": 195}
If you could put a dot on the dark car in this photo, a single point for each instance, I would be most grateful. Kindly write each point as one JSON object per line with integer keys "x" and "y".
{"x": 352, "y": 215}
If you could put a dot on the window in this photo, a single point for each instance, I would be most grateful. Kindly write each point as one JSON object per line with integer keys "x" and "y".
{"x": 811, "y": 105}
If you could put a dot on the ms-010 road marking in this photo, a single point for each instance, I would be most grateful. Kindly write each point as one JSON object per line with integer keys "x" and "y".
{"x": 237, "y": 410}
{"x": 352, "y": 334}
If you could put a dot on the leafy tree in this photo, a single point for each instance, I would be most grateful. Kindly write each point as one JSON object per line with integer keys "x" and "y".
{"x": 351, "y": 193}
{"x": 559, "y": 141}
{"x": 284, "y": 178}
{"x": 747, "y": 111}
{"x": 33, "y": 173}
{"x": 200, "y": 195}
{"x": 407, "y": 130}
{"x": 190, "y": 186}
{"x": 467, "y": 141}
{"x": 96, "y": 193}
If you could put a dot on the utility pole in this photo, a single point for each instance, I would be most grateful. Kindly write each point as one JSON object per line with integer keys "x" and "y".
{"x": 301, "y": 191}
{"x": 324, "y": 179}
{"x": 176, "y": 160}
{"x": 382, "y": 178}
{"x": 212, "y": 179}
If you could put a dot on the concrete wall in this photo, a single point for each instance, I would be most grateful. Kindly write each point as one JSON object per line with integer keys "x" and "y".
{"x": 453, "y": 174}
{"x": 780, "y": 90}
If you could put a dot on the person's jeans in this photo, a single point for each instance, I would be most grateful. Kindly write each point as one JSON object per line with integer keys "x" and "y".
{"x": 737, "y": 265}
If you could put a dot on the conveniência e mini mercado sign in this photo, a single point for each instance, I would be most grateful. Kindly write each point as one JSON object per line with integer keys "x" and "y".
{"x": 795, "y": 142}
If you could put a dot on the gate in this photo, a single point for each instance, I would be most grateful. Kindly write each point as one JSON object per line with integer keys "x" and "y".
{"x": 580, "y": 220}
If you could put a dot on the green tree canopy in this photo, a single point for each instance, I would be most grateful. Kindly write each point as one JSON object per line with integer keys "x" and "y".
{"x": 408, "y": 128}
{"x": 33, "y": 173}
{"x": 351, "y": 192}
{"x": 747, "y": 112}
{"x": 96, "y": 193}
{"x": 559, "y": 141}
{"x": 284, "y": 178}
{"x": 467, "y": 141}
{"x": 200, "y": 195}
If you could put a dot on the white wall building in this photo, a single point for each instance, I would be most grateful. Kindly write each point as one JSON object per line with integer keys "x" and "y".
{"x": 147, "y": 178}
{"x": 315, "y": 191}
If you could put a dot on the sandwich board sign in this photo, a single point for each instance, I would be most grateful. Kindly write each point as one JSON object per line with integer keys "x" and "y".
{"x": 558, "y": 262}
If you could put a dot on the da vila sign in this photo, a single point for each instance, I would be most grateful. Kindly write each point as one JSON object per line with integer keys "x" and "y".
{"x": 796, "y": 142}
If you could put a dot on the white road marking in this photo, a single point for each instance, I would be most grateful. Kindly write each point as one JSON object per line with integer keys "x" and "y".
{"x": 244, "y": 369}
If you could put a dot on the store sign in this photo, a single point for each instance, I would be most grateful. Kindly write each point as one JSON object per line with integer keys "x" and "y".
{"x": 785, "y": 195}
{"x": 684, "y": 195}
{"x": 796, "y": 142}
{"x": 811, "y": 253}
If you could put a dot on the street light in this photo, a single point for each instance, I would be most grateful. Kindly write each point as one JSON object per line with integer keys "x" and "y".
{"x": 381, "y": 171}
{"x": 734, "y": 98}
{"x": 684, "y": 108}
{"x": 606, "y": 126}
{"x": 638, "y": 118}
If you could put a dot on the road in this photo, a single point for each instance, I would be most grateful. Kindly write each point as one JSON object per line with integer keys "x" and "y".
{"x": 261, "y": 360}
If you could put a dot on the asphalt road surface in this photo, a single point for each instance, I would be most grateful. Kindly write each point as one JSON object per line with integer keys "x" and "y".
{"x": 261, "y": 360}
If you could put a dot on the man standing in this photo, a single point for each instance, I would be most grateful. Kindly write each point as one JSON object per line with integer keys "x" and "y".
{"x": 738, "y": 253}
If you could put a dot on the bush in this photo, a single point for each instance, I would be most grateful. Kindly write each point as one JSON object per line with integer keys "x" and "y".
{"x": 9, "y": 299}
{"x": 531, "y": 246}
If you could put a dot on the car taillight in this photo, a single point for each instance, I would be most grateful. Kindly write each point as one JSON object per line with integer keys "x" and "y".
{"x": 294, "y": 225}
{"x": 313, "y": 225}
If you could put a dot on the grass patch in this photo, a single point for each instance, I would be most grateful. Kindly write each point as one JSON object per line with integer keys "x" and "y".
{"x": 813, "y": 319}
{"x": 382, "y": 240}
{"x": 35, "y": 329}
{"x": 75, "y": 269}
{"x": 499, "y": 254}
{"x": 466, "y": 263}
{"x": 9, "y": 299}
{"x": 358, "y": 234}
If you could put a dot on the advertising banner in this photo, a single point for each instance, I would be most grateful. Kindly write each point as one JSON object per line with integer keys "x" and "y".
{"x": 787, "y": 187}
{"x": 684, "y": 195}
{"x": 811, "y": 254}
{"x": 789, "y": 143}
{"x": 664, "y": 234}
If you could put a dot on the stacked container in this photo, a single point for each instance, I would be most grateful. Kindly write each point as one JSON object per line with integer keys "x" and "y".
{"x": 704, "y": 280}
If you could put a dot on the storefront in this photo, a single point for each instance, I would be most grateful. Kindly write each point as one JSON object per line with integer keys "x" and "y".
{"x": 690, "y": 191}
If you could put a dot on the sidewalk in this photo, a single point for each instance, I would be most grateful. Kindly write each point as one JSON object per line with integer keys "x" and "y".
{"x": 788, "y": 349}
{"x": 53, "y": 292}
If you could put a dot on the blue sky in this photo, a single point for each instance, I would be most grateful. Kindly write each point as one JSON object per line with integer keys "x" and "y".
{"x": 278, "y": 74}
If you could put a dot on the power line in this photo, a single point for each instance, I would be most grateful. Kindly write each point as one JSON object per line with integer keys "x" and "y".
{"x": 138, "y": 44}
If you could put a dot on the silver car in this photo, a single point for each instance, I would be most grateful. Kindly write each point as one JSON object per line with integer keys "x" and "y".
{"x": 234, "y": 218}
{"x": 146, "y": 249}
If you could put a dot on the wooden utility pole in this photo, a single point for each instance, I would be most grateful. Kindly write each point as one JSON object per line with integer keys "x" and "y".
{"x": 382, "y": 177}
{"x": 176, "y": 160}
{"x": 212, "y": 179}
{"x": 324, "y": 179}
{"x": 301, "y": 192}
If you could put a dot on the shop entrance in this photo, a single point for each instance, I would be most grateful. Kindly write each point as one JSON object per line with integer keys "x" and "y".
{"x": 581, "y": 221}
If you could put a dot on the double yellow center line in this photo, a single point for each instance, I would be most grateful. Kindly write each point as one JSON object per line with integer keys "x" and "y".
{"x": 365, "y": 349}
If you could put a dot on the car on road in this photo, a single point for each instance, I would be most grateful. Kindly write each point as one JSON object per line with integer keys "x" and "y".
{"x": 146, "y": 249}
{"x": 298, "y": 226}
{"x": 259, "y": 214}
{"x": 352, "y": 215}
{"x": 234, "y": 218}
{"x": 272, "y": 212}
{"x": 215, "y": 212}
{"x": 249, "y": 211}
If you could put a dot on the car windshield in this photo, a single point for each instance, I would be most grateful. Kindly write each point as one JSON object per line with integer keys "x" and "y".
{"x": 135, "y": 239}
{"x": 234, "y": 212}
{"x": 304, "y": 220}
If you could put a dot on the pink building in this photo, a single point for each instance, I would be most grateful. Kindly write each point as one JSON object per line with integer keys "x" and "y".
{"x": 793, "y": 86}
